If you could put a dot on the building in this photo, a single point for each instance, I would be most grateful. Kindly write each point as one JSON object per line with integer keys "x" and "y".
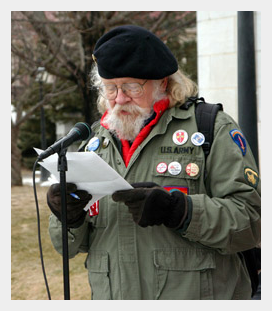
{"x": 217, "y": 60}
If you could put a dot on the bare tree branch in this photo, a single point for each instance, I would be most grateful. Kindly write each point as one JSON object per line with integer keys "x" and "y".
{"x": 44, "y": 101}
{"x": 162, "y": 16}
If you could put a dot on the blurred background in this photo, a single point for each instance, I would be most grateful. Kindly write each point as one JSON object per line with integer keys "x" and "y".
{"x": 51, "y": 57}
{"x": 51, "y": 61}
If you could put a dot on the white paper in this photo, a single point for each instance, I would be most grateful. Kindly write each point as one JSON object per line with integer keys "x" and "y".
{"x": 89, "y": 172}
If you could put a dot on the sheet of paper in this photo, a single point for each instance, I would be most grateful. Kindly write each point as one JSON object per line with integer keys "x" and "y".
{"x": 89, "y": 172}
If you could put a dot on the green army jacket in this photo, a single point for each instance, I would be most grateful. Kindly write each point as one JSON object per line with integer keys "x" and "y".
{"x": 126, "y": 261}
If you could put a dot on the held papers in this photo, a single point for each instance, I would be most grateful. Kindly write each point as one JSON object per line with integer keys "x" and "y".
{"x": 89, "y": 172}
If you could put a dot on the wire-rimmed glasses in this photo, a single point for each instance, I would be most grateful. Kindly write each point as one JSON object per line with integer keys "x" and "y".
{"x": 133, "y": 90}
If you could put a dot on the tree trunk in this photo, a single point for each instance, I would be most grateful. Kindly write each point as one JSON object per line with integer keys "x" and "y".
{"x": 16, "y": 176}
{"x": 91, "y": 113}
{"x": 89, "y": 97}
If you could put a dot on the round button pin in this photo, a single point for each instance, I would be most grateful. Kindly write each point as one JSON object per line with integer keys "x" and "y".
{"x": 174, "y": 168}
{"x": 161, "y": 167}
{"x": 93, "y": 144}
{"x": 198, "y": 139}
{"x": 180, "y": 137}
{"x": 192, "y": 169}
{"x": 105, "y": 143}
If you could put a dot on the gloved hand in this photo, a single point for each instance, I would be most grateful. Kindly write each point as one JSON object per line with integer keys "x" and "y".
{"x": 151, "y": 205}
{"x": 75, "y": 211}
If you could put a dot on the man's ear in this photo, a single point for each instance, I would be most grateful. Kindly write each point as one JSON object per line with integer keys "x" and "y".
{"x": 164, "y": 84}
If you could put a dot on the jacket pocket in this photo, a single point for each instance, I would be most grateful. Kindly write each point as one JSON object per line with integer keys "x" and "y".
{"x": 184, "y": 175}
{"x": 97, "y": 264}
{"x": 183, "y": 273}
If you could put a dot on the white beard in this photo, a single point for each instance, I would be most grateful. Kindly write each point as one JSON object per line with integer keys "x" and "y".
{"x": 127, "y": 127}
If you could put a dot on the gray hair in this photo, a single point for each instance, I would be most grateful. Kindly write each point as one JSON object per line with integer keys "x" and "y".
{"x": 179, "y": 88}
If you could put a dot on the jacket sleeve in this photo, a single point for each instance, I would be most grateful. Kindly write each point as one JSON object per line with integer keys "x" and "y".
{"x": 228, "y": 216}
{"x": 78, "y": 239}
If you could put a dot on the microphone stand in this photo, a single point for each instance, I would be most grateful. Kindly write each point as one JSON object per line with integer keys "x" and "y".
{"x": 62, "y": 168}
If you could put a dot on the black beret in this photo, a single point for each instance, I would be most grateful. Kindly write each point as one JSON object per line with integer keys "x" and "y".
{"x": 133, "y": 51}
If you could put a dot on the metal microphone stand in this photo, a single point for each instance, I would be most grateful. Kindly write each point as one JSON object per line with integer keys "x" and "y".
{"x": 62, "y": 168}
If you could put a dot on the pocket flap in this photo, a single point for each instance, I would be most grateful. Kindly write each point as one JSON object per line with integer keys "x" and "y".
{"x": 184, "y": 259}
{"x": 97, "y": 261}
{"x": 184, "y": 162}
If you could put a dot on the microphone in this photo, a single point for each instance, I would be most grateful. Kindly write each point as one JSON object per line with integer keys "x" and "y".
{"x": 81, "y": 131}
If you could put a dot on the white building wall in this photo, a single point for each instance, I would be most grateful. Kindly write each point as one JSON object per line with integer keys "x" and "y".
{"x": 217, "y": 59}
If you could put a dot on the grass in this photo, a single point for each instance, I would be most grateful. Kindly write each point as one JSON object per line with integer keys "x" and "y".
{"x": 27, "y": 282}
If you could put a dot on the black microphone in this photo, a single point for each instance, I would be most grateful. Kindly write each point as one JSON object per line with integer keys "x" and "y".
{"x": 81, "y": 131}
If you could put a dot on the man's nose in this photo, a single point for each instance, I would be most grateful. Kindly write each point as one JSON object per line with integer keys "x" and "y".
{"x": 121, "y": 97}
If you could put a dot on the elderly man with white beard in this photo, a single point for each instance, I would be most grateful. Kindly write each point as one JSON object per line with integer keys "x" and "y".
{"x": 129, "y": 108}
{"x": 179, "y": 233}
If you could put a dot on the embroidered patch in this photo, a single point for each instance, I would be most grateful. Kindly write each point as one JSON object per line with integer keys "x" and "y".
{"x": 94, "y": 209}
{"x": 239, "y": 139}
{"x": 176, "y": 188}
{"x": 176, "y": 150}
{"x": 251, "y": 177}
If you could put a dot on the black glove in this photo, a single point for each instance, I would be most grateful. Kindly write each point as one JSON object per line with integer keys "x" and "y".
{"x": 151, "y": 205}
{"x": 75, "y": 211}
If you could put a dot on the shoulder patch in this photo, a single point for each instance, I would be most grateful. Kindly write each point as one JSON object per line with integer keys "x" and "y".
{"x": 239, "y": 139}
{"x": 251, "y": 177}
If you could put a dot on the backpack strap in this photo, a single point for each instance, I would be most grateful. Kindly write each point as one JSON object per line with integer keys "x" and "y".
{"x": 205, "y": 118}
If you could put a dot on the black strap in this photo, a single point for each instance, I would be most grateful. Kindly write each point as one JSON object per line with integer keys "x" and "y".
{"x": 205, "y": 118}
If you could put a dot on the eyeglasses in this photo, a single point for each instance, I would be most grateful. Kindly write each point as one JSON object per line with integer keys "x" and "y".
{"x": 133, "y": 90}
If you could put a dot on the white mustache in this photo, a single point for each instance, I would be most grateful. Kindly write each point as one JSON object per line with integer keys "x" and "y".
{"x": 131, "y": 108}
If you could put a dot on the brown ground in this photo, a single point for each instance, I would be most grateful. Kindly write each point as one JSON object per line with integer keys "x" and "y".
{"x": 27, "y": 282}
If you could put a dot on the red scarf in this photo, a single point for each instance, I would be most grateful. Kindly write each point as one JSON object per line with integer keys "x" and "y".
{"x": 127, "y": 150}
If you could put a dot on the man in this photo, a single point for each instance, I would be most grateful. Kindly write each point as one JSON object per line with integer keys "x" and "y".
{"x": 179, "y": 233}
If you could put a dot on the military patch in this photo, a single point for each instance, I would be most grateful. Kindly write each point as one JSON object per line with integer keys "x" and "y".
{"x": 176, "y": 188}
{"x": 239, "y": 139}
{"x": 251, "y": 177}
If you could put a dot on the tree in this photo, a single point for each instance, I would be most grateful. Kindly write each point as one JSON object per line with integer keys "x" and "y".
{"x": 62, "y": 43}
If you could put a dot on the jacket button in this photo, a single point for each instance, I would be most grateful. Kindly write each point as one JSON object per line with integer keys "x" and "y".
{"x": 118, "y": 161}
